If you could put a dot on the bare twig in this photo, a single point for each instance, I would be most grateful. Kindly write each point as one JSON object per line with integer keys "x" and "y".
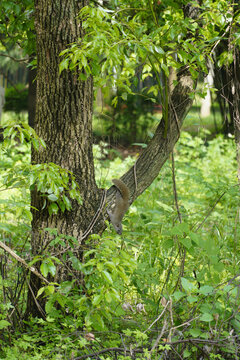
{"x": 159, "y": 317}
{"x": 135, "y": 176}
{"x": 98, "y": 212}
{"x": 158, "y": 338}
{"x": 175, "y": 189}
{"x": 210, "y": 211}
{"x": 22, "y": 261}
{"x": 35, "y": 300}
{"x": 175, "y": 114}
{"x": 14, "y": 59}
{"x": 193, "y": 341}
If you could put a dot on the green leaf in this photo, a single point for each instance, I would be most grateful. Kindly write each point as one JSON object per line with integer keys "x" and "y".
{"x": 77, "y": 265}
{"x": 124, "y": 96}
{"x": 35, "y": 143}
{"x": 44, "y": 269}
{"x": 4, "y": 324}
{"x": 53, "y": 209}
{"x": 52, "y": 197}
{"x": 206, "y": 289}
{"x": 179, "y": 229}
{"x": 67, "y": 202}
{"x": 195, "y": 332}
{"x": 63, "y": 65}
{"x": 186, "y": 242}
{"x": 178, "y": 295}
{"x": 159, "y": 50}
{"x": 162, "y": 205}
{"x": 195, "y": 238}
{"x": 97, "y": 322}
{"x": 187, "y": 285}
{"x": 206, "y": 317}
{"x": 165, "y": 69}
{"x": 191, "y": 299}
{"x": 61, "y": 205}
{"x": 107, "y": 277}
{"x": 40, "y": 291}
{"x": 108, "y": 297}
{"x": 97, "y": 299}
{"x": 52, "y": 269}
{"x": 187, "y": 354}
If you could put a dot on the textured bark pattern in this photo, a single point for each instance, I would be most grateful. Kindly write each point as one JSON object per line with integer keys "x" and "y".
{"x": 63, "y": 119}
{"x": 63, "y": 115}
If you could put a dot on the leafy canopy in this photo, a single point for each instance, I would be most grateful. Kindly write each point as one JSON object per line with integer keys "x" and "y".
{"x": 130, "y": 35}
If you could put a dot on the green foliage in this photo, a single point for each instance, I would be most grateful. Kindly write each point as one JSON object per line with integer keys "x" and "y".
{"x": 129, "y": 37}
{"x": 129, "y": 280}
{"x": 17, "y": 24}
{"x": 132, "y": 42}
{"x": 16, "y": 99}
{"x": 56, "y": 184}
{"x": 120, "y": 40}
{"x": 106, "y": 275}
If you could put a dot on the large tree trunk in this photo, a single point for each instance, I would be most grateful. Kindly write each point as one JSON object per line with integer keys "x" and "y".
{"x": 63, "y": 120}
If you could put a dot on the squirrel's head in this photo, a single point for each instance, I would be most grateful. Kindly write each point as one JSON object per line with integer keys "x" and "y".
{"x": 118, "y": 228}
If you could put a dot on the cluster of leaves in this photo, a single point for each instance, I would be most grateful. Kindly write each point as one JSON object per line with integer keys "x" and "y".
{"x": 106, "y": 275}
{"x": 56, "y": 184}
{"x": 17, "y": 24}
{"x": 118, "y": 40}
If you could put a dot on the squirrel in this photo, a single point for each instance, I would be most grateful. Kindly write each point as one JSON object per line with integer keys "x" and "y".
{"x": 121, "y": 205}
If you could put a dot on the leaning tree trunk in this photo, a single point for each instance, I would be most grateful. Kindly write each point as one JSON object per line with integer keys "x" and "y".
{"x": 63, "y": 119}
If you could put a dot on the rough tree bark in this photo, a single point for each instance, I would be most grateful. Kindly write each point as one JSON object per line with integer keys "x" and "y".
{"x": 63, "y": 120}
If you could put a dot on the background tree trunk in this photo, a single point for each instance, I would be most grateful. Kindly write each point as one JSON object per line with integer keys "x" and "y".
{"x": 32, "y": 89}
{"x": 63, "y": 119}
{"x": 206, "y": 103}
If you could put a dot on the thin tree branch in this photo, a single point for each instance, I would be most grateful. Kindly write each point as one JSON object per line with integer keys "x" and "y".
{"x": 14, "y": 59}
{"x": 22, "y": 261}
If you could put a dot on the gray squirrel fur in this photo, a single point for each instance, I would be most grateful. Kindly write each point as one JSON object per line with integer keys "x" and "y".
{"x": 121, "y": 205}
